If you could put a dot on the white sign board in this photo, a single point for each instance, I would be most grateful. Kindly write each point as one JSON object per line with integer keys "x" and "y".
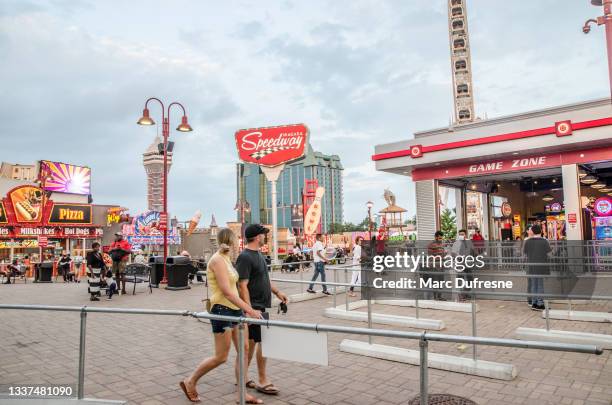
{"x": 302, "y": 346}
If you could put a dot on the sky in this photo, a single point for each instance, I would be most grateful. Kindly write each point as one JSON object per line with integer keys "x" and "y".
{"x": 74, "y": 76}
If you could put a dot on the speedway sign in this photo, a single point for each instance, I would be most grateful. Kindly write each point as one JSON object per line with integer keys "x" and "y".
{"x": 272, "y": 146}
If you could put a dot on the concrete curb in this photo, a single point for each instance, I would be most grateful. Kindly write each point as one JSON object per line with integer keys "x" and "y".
{"x": 431, "y": 304}
{"x": 385, "y": 319}
{"x": 584, "y": 316}
{"x": 463, "y": 365}
{"x": 562, "y": 336}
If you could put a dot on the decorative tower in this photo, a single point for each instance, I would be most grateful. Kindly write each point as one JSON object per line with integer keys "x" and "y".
{"x": 153, "y": 162}
{"x": 461, "y": 66}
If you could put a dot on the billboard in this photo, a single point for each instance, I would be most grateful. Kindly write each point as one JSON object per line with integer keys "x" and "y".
{"x": 272, "y": 146}
{"x": 145, "y": 230}
{"x": 66, "y": 178}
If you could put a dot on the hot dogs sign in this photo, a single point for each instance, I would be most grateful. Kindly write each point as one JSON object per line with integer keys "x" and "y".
{"x": 272, "y": 146}
{"x": 27, "y": 203}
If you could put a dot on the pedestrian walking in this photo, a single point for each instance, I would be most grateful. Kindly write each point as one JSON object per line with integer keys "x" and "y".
{"x": 256, "y": 289}
{"x": 356, "y": 260}
{"x": 120, "y": 252}
{"x": 318, "y": 254}
{"x": 64, "y": 266}
{"x": 537, "y": 250}
{"x": 96, "y": 267}
{"x": 224, "y": 300}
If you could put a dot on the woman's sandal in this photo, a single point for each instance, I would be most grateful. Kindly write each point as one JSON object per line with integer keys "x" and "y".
{"x": 191, "y": 395}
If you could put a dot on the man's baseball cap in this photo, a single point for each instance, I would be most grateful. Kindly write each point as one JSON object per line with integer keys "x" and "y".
{"x": 118, "y": 234}
{"x": 253, "y": 230}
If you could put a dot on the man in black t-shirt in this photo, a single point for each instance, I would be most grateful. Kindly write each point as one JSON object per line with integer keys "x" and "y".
{"x": 256, "y": 289}
{"x": 537, "y": 250}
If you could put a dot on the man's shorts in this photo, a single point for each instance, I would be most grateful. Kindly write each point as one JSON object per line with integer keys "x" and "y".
{"x": 255, "y": 330}
{"x": 118, "y": 268}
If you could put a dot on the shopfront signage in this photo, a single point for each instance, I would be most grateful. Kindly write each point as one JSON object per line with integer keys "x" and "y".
{"x": 603, "y": 206}
{"x": 3, "y": 218}
{"x": 115, "y": 215}
{"x": 51, "y": 232}
{"x": 43, "y": 241}
{"x": 145, "y": 230}
{"x": 556, "y": 207}
{"x": 163, "y": 221}
{"x": 70, "y": 214}
{"x": 506, "y": 209}
{"x": 26, "y": 243}
{"x": 27, "y": 203}
{"x": 563, "y": 128}
{"x": 272, "y": 146}
{"x": 571, "y": 218}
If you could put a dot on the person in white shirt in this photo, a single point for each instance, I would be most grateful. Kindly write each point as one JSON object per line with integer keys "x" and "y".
{"x": 356, "y": 273}
{"x": 318, "y": 255}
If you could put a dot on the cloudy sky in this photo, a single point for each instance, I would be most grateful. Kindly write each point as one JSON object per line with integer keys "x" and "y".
{"x": 74, "y": 76}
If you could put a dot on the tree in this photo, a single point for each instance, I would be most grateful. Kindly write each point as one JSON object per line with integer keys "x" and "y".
{"x": 448, "y": 224}
{"x": 336, "y": 228}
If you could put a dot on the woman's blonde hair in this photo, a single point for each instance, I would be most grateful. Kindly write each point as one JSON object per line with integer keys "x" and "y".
{"x": 226, "y": 239}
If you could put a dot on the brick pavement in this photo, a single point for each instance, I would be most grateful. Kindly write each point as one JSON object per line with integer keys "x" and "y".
{"x": 152, "y": 353}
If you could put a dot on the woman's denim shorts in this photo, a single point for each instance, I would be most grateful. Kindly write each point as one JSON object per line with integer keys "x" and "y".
{"x": 219, "y": 326}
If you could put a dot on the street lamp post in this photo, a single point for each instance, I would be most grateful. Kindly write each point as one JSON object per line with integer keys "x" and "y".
{"x": 606, "y": 20}
{"x": 243, "y": 207}
{"x": 183, "y": 127}
{"x": 370, "y": 204}
{"x": 43, "y": 178}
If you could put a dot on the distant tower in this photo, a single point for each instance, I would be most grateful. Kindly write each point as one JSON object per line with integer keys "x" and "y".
{"x": 153, "y": 162}
{"x": 461, "y": 65}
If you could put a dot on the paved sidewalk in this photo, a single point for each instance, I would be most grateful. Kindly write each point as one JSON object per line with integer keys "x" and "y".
{"x": 141, "y": 359}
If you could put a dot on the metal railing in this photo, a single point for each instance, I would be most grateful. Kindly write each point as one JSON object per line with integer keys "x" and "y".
{"x": 472, "y": 294}
{"x": 423, "y": 337}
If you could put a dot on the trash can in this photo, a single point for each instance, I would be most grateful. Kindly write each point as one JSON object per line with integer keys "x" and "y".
{"x": 157, "y": 270}
{"x": 44, "y": 272}
{"x": 178, "y": 269}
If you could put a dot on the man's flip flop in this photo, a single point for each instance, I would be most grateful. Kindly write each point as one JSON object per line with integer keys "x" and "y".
{"x": 269, "y": 389}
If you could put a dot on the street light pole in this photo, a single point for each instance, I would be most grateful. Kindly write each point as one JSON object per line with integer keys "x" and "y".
{"x": 370, "y": 204}
{"x": 606, "y": 20}
{"x": 183, "y": 127}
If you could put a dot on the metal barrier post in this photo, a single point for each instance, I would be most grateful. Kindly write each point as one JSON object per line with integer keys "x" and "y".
{"x": 335, "y": 287}
{"x": 301, "y": 279}
{"x": 569, "y": 306}
{"x": 241, "y": 365}
{"x": 81, "y": 377}
{"x": 546, "y": 309}
{"x": 346, "y": 290}
{"x": 423, "y": 393}
{"x": 416, "y": 305}
{"x": 369, "y": 317}
{"x": 474, "y": 354}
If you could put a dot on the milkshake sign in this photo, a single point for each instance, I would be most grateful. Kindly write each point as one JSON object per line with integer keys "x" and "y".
{"x": 272, "y": 146}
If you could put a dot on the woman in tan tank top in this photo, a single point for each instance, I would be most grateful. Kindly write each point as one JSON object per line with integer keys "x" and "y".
{"x": 224, "y": 298}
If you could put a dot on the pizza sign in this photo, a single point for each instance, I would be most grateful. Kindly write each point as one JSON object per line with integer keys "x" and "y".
{"x": 272, "y": 146}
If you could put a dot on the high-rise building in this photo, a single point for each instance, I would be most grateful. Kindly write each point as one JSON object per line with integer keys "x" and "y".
{"x": 153, "y": 162}
{"x": 252, "y": 187}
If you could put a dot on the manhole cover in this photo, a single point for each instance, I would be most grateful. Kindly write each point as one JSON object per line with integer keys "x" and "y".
{"x": 443, "y": 399}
